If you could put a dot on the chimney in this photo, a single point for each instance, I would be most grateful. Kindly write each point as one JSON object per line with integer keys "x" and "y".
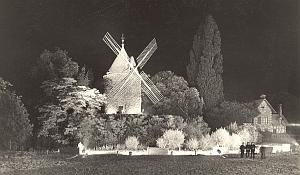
{"x": 280, "y": 110}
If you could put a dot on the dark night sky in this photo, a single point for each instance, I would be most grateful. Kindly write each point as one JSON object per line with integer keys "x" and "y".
{"x": 254, "y": 33}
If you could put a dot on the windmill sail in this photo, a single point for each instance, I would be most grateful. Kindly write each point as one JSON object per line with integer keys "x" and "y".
{"x": 147, "y": 53}
{"x": 150, "y": 89}
{"x": 111, "y": 43}
{"x": 133, "y": 75}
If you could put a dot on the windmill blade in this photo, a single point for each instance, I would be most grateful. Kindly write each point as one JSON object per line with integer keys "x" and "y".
{"x": 111, "y": 43}
{"x": 147, "y": 85}
{"x": 150, "y": 89}
{"x": 118, "y": 86}
{"x": 146, "y": 54}
{"x": 119, "y": 93}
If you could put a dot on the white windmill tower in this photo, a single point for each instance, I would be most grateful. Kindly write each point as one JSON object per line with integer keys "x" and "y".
{"x": 123, "y": 81}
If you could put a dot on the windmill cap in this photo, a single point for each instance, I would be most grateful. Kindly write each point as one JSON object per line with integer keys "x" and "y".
{"x": 263, "y": 96}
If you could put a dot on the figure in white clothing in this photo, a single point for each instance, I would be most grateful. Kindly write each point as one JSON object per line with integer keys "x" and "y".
{"x": 81, "y": 148}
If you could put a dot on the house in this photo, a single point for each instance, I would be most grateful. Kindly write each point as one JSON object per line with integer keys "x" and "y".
{"x": 268, "y": 119}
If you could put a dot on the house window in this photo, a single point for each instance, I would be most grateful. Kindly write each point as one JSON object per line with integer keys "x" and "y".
{"x": 264, "y": 120}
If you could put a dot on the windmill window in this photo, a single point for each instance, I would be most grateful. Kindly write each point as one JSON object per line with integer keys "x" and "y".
{"x": 120, "y": 109}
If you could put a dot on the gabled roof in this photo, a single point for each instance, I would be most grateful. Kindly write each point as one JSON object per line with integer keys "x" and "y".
{"x": 275, "y": 116}
{"x": 120, "y": 64}
{"x": 258, "y": 102}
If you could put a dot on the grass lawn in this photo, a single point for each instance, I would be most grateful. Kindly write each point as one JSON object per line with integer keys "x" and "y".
{"x": 112, "y": 164}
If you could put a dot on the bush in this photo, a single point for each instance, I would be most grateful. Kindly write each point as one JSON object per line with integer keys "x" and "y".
{"x": 192, "y": 144}
{"x": 235, "y": 142}
{"x": 221, "y": 137}
{"x": 196, "y": 128}
{"x": 161, "y": 143}
{"x": 173, "y": 138}
{"x": 132, "y": 143}
{"x": 206, "y": 142}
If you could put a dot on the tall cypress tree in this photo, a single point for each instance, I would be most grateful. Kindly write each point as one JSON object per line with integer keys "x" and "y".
{"x": 205, "y": 67}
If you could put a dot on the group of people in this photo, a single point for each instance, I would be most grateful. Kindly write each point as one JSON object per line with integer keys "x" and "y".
{"x": 249, "y": 148}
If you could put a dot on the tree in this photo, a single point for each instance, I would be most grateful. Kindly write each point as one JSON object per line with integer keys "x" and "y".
{"x": 135, "y": 126}
{"x": 53, "y": 65}
{"x": 15, "y": 127}
{"x": 86, "y": 132}
{"x": 227, "y": 112}
{"x": 205, "y": 65}
{"x": 179, "y": 98}
{"x": 67, "y": 106}
{"x": 196, "y": 128}
{"x": 85, "y": 77}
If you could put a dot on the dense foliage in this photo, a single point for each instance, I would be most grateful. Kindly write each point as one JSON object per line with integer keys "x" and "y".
{"x": 179, "y": 98}
{"x": 205, "y": 67}
{"x": 109, "y": 131}
{"x": 227, "y": 112}
{"x": 68, "y": 106}
{"x": 15, "y": 127}
{"x": 53, "y": 65}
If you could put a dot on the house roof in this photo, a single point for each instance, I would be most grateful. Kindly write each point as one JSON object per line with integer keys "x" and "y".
{"x": 275, "y": 116}
{"x": 259, "y": 101}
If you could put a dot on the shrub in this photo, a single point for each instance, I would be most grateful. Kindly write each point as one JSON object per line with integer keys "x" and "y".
{"x": 161, "y": 143}
{"x": 221, "y": 137}
{"x": 196, "y": 128}
{"x": 192, "y": 144}
{"x": 235, "y": 142}
{"x": 244, "y": 135}
{"x": 173, "y": 138}
{"x": 254, "y": 135}
{"x": 206, "y": 142}
{"x": 132, "y": 143}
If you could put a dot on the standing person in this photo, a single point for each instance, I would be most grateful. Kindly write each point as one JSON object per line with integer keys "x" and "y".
{"x": 252, "y": 148}
{"x": 248, "y": 147}
{"x": 80, "y": 146}
{"x": 242, "y": 148}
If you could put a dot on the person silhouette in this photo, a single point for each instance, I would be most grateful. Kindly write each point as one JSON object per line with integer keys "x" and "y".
{"x": 242, "y": 149}
{"x": 248, "y": 147}
{"x": 252, "y": 148}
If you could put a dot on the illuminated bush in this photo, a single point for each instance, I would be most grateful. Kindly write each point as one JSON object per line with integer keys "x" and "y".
{"x": 192, "y": 144}
{"x": 221, "y": 137}
{"x": 206, "y": 142}
{"x": 161, "y": 143}
{"x": 173, "y": 138}
{"x": 132, "y": 143}
{"x": 235, "y": 142}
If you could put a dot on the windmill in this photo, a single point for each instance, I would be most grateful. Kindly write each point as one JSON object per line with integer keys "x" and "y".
{"x": 125, "y": 81}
